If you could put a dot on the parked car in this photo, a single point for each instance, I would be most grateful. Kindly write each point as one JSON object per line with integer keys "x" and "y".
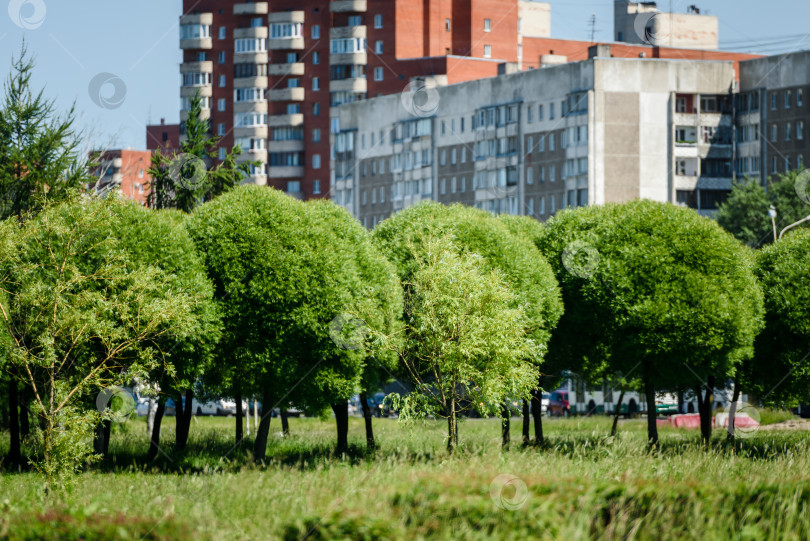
{"x": 558, "y": 405}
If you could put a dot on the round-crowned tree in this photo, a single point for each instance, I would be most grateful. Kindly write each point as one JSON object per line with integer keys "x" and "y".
{"x": 284, "y": 272}
{"x": 526, "y": 272}
{"x": 654, "y": 289}
{"x": 780, "y": 371}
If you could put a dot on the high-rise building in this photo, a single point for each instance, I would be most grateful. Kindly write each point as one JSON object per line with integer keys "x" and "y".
{"x": 271, "y": 73}
{"x": 125, "y": 171}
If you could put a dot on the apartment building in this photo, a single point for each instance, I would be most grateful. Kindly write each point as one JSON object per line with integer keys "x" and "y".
{"x": 534, "y": 142}
{"x": 270, "y": 73}
{"x": 773, "y": 115}
{"x": 125, "y": 171}
{"x": 163, "y": 137}
{"x": 644, "y": 23}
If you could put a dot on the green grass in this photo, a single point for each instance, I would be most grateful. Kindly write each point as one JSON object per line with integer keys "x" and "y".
{"x": 771, "y": 416}
{"x": 581, "y": 485}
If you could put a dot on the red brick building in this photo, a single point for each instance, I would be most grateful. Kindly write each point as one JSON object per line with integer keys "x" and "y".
{"x": 126, "y": 171}
{"x": 165, "y": 137}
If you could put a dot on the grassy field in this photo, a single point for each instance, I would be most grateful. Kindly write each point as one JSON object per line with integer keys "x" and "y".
{"x": 581, "y": 485}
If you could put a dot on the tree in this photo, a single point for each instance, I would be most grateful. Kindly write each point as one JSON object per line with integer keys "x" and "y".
{"x": 188, "y": 180}
{"x": 39, "y": 164}
{"x": 281, "y": 275}
{"x": 80, "y": 315}
{"x": 526, "y": 271}
{"x": 663, "y": 292}
{"x": 780, "y": 371}
{"x": 466, "y": 346}
{"x": 745, "y": 213}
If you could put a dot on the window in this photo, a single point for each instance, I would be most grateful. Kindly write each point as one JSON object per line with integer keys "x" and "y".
{"x": 799, "y": 98}
{"x": 551, "y": 111}
{"x": 447, "y": 25}
{"x": 551, "y": 142}
{"x": 316, "y": 31}
{"x": 382, "y": 194}
{"x": 552, "y": 173}
{"x": 347, "y": 45}
{"x": 293, "y": 186}
{"x": 453, "y": 157}
{"x": 788, "y": 99}
{"x": 250, "y": 119}
{"x": 250, "y": 45}
{"x": 316, "y": 58}
{"x": 223, "y": 32}
{"x": 378, "y": 21}
{"x": 378, "y": 47}
{"x": 774, "y": 133}
{"x": 196, "y": 79}
{"x": 553, "y": 204}
{"x": 453, "y": 185}
{"x": 355, "y": 20}
{"x": 316, "y": 109}
{"x": 773, "y": 101}
{"x": 529, "y": 114}
{"x": 316, "y": 187}
{"x": 316, "y": 135}
{"x": 788, "y": 126}
{"x": 223, "y": 152}
{"x": 530, "y": 206}
{"x": 249, "y": 70}
{"x": 773, "y": 164}
{"x": 487, "y": 51}
{"x": 195, "y": 31}
{"x": 316, "y": 83}
{"x": 223, "y": 81}
{"x": 221, "y": 129}
{"x": 443, "y": 186}
{"x": 541, "y": 144}
{"x": 487, "y": 25}
{"x": 221, "y": 104}
{"x": 202, "y": 57}
{"x": 374, "y": 196}
{"x": 248, "y": 94}
{"x": 316, "y": 161}
{"x": 443, "y": 158}
{"x": 542, "y": 176}
{"x": 800, "y": 130}
{"x": 541, "y": 206}
{"x": 529, "y": 176}
{"x": 378, "y": 74}
{"x": 221, "y": 57}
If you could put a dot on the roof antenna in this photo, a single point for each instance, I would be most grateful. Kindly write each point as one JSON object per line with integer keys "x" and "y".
{"x": 592, "y": 24}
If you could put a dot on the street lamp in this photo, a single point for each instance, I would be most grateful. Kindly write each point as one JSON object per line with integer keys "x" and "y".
{"x": 805, "y": 219}
{"x": 772, "y": 214}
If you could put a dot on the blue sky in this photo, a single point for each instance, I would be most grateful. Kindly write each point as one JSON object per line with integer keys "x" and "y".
{"x": 135, "y": 43}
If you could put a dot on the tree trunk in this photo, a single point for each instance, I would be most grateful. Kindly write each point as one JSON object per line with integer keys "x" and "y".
{"x": 14, "y": 453}
{"x": 247, "y": 417}
{"x": 732, "y": 411}
{"x": 285, "y": 421}
{"x": 342, "y": 421}
{"x": 452, "y": 427}
{"x": 616, "y": 414}
{"x": 107, "y": 431}
{"x": 239, "y": 420}
{"x": 367, "y": 416}
{"x": 25, "y": 420}
{"x": 150, "y": 415}
{"x": 260, "y": 444}
{"x": 526, "y": 423}
{"x": 705, "y": 409}
{"x": 537, "y": 412}
{"x": 652, "y": 425}
{"x": 98, "y": 439}
{"x": 255, "y": 414}
{"x": 154, "y": 444}
{"x": 506, "y": 423}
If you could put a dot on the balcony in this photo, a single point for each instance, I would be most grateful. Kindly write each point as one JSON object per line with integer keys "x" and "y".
{"x": 286, "y": 94}
{"x": 253, "y": 8}
{"x": 287, "y": 146}
{"x": 188, "y": 91}
{"x": 197, "y": 18}
{"x": 197, "y": 67}
{"x": 197, "y": 43}
{"x": 349, "y": 85}
{"x": 250, "y": 107}
{"x": 346, "y": 32}
{"x": 250, "y": 131}
{"x": 259, "y": 32}
{"x": 283, "y": 44}
{"x": 258, "y": 57}
{"x": 286, "y": 17}
{"x": 288, "y": 171}
{"x": 250, "y": 82}
{"x": 348, "y": 58}
{"x": 283, "y": 70}
{"x": 348, "y": 6}
{"x": 296, "y": 119}
{"x": 252, "y": 156}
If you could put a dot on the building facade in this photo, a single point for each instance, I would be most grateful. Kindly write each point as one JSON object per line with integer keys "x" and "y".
{"x": 124, "y": 171}
{"x": 270, "y": 73}
{"x": 592, "y": 132}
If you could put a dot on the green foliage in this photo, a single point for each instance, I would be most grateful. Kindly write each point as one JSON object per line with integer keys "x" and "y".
{"x": 780, "y": 372}
{"x": 39, "y": 149}
{"x": 745, "y": 213}
{"x": 652, "y": 286}
{"x": 82, "y": 312}
{"x": 188, "y": 180}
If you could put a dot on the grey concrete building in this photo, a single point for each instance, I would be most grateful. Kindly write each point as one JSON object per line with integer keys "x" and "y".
{"x": 772, "y": 115}
{"x": 584, "y": 133}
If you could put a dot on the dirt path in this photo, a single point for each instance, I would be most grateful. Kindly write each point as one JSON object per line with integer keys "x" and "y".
{"x": 793, "y": 424}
